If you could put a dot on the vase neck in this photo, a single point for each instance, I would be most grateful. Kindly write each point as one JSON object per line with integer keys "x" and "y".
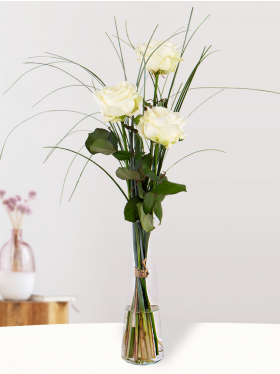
{"x": 16, "y": 236}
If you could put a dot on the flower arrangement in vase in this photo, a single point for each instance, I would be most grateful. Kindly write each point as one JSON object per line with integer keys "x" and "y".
{"x": 141, "y": 123}
{"x": 17, "y": 263}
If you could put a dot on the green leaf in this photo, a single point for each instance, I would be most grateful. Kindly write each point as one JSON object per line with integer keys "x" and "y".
{"x": 169, "y": 188}
{"x": 124, "y": 174}
{"x": 159, "y": 198}
{"x": 130, "y": 211}
{"x": 102, "y": 146}
{"x": 149, "y": 202}
{"x": 122, "y": 155}
{"x": 140, "y": 190}
{"x": 145, "y": 219}
{"x": 100, "y": 134}
{"x": 113, "y": 139}
{"x": 163, "y": 177}
{"x": 137, "y": 161}
{"x": 137, "y": 119}
{"x": 147, "y": 159}
{"x": 158, "y": 211}
{"x": 147, "y": 171}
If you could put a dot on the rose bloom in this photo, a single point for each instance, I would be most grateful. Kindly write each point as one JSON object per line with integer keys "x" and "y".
{"x": 117, "y": 102}
{"x": 162, "y": 126}
{"x": 163, "y": 60}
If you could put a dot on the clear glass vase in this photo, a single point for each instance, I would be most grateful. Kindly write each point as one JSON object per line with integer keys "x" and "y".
{"x": 142, "y": 341}
{"x": 17, "y": 269}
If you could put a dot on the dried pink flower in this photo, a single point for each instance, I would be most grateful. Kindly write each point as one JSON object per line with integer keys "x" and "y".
{"x": 24, "y": 209}
{"x": 2, "y": 193}
{"x": 32, "y": 195}
{"x": 9, "y": 205}
{"x": 18, "y": 198}
{"x": 12, "y": 201}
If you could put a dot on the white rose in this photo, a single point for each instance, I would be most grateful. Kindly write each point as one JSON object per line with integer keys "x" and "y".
{"x": 162, "y": 126}
{"x": 117, "y": 102}
{"x": 163, "y": 60}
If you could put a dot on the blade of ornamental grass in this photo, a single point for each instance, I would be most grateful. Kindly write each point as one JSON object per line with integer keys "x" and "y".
{"x": 60, "y": 88}
{"x": 120, "y": 49}
{"x": 237, "y": 88}
{"x": 143, "y": 58}
{"x": 67, "y": 174}
{"x": 177, "y": 67}
{"x": 35, "y": 115}
{"x": 70, "y": 150}
{"x": 204, "y": 102}
{"x": 99, "y": 80}
{"x": 41, "y": 64}
{"x": 28, "y": 71}
{"x": 87, "y": 116}
{"x": 80, "y": 176}
{"x": 128, "y": 38}
{"x": 202, "y": 150}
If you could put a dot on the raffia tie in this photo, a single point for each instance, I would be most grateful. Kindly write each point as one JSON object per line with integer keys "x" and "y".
{"x": 139, "y": 273}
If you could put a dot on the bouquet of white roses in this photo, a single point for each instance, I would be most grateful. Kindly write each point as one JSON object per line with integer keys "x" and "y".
{"x": 138, "y": 130}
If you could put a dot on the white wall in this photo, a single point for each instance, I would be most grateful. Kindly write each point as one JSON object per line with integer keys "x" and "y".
{"x": 217, "y": 250}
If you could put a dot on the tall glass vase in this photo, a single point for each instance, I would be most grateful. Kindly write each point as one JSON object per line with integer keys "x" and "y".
{"x": 17, "y": 268}
{"x": 142, "y": 342}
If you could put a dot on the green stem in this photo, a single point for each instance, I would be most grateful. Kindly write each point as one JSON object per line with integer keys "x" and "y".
{"x": 145, "y": 294}
{"x": 126, "y": 161}
{"x": 156, "y": 161}
{"x": 155, "y": 92}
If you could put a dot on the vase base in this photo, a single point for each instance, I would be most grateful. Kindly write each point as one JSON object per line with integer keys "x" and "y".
{"x": 153, "y": 361}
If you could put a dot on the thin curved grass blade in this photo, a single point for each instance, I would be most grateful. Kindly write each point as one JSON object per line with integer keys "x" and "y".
{"x": 60, "y": 88}
{"x": 202, "y": 150}
{"x": 114, "y": 36}
{"x": 88, "y": 115}
{"x": 120, "y": 49}
{"x": 68, "y": 173}
{"x": 28, "y": 71}
{"x": 35, "y": 115}
{"x": 177, "y": 67}
{"x": 143, "y": 58}
{"x": 128, "y": 35}
{"x": 204, "y": 102}
{"x": 56, "y": 67}
{"x": 237, "y": 88}
{"x": 80, "y": 176}
{"x": 116, "y": 183}
{"x": 83, "y": 67}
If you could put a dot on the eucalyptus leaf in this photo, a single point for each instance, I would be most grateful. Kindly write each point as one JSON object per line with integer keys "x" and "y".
{"x": 140, "y": 190}
{"x": 169, "y": 188}
{"x": 148, "y": 172}
{"x": 113, "y": 139}
{"x": 149, "y": 202}
{"x": 145, "y": 219}
{"x": 130, "y": 211}
{"x": 122, "y": 155}
{"x": 163, "y": 177}
{"x": 124, "y": 174}
{"x": 137, "y": 160}
{"x": 102, "y": 146}
{"x": 101, "y": 141}
{"x": 100, "y": 134}
{"x": 158, "y": 211}
{"x": 159, "y": 198}
{"x": 147, "y": 159}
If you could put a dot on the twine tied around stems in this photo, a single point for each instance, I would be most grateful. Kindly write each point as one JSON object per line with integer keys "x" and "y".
{"x": 139, "y": 273}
